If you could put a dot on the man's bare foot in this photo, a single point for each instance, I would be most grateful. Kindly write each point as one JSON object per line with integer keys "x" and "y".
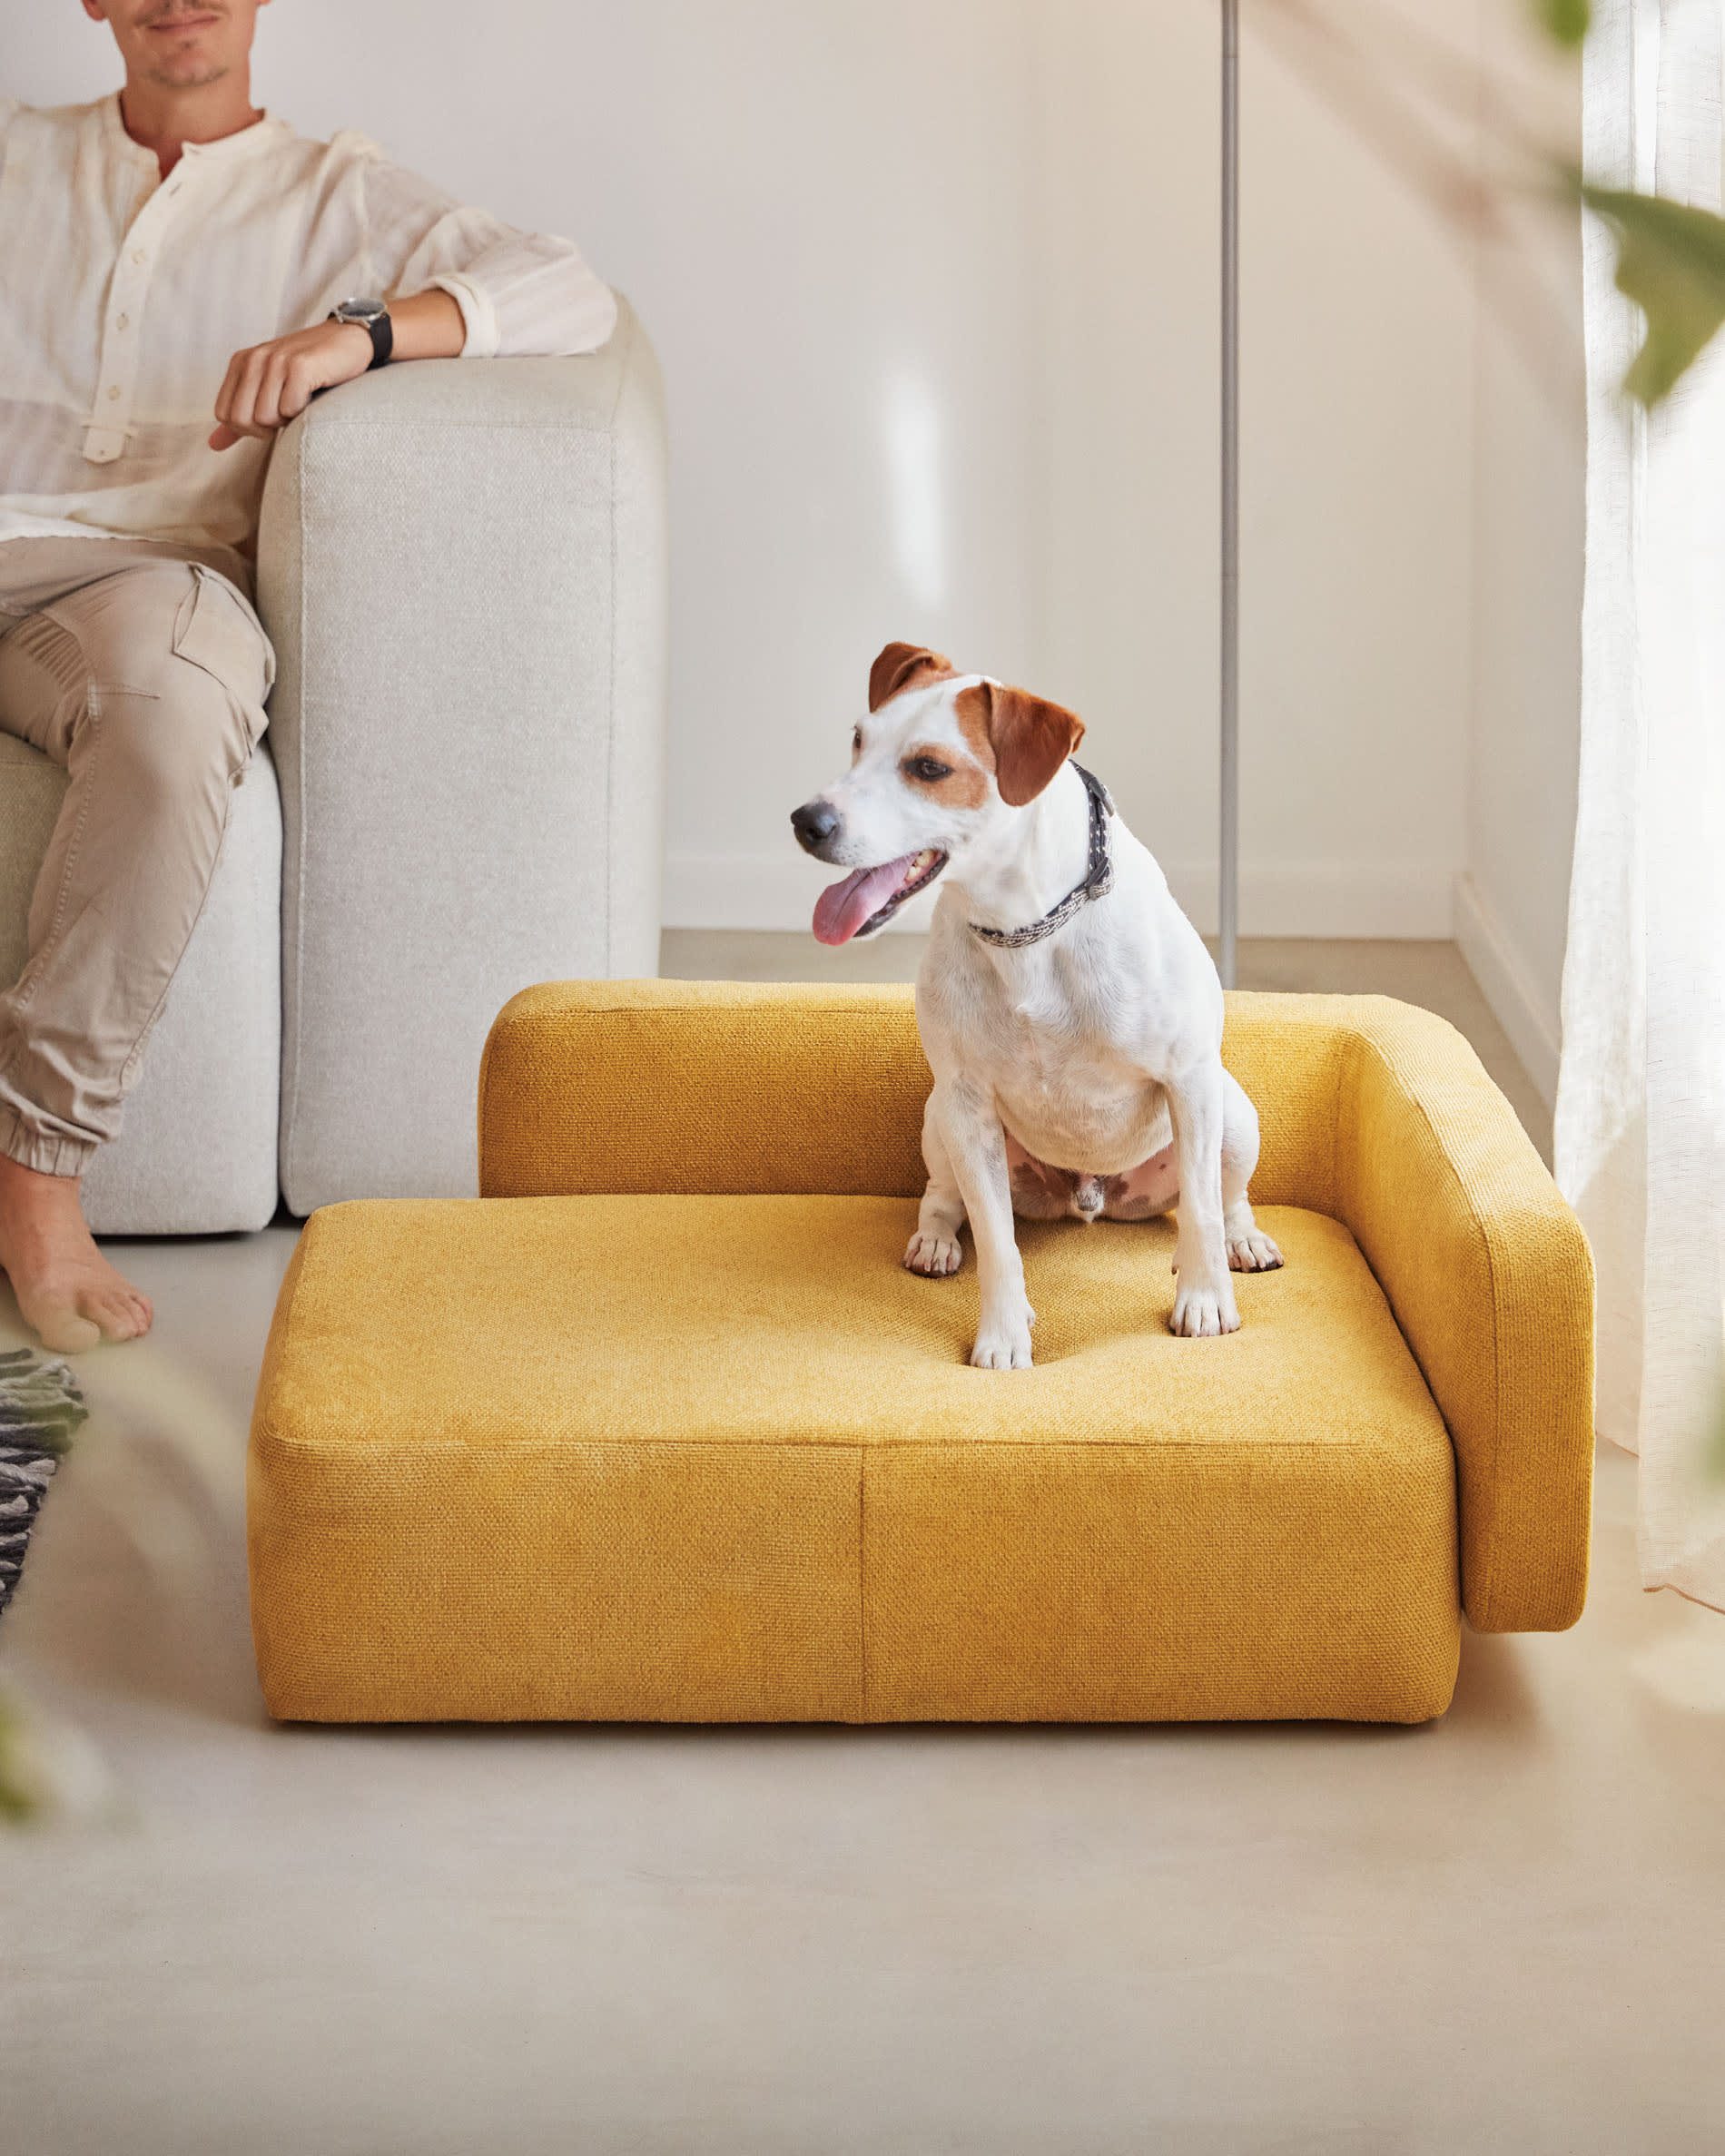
{"x": 71, "y": 1297}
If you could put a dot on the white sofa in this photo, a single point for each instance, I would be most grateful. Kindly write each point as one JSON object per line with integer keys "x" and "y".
{"x": 462, "y": 567}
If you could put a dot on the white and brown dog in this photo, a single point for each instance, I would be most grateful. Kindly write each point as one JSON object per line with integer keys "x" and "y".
{"x": 1070, "y": 1014}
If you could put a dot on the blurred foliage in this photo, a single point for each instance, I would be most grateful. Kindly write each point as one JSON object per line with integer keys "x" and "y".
{"x": 164, "y": 1461}
{"x": 20, "y": 1794}
{"x": 1569, "y": 21}
{"x": 1469, "y": 140}
{"x": 1461, "y": 137}
{"x": 1670, "y": 260}
{"x": 49, "y": 1770}
{"x": 1670, "y": 257}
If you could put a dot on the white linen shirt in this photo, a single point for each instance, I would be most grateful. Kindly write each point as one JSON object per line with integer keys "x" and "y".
{"x": 123, "y": 298}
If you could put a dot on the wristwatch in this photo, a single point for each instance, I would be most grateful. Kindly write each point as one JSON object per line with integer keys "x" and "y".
{"x": 372, "y": 315}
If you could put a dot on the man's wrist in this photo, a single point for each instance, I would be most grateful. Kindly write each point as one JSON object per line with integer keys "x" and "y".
{"x": 428, "y": 325}
{"x": 355, "y": 337}
{"x": 373, "y": 316}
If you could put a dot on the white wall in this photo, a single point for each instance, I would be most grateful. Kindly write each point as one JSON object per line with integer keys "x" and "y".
{"x": 1529, "y": 451}
{"x": 1356, "y": 412}
{"x": 934, "y": 286}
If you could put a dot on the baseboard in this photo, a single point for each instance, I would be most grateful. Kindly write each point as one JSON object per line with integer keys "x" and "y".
{"x": 714, "y": 891}
{"x": 1525, "y": 1015}
{"x": 1409, "y": 903}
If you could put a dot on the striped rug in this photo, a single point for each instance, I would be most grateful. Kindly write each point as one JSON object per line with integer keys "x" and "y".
{"x": 40, "y": 1407}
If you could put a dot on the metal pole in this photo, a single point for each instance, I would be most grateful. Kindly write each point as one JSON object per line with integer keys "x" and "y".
{"x": 1229, "y": 907}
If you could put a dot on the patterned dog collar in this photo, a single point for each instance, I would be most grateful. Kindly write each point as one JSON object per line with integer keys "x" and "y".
{"x": 1096, "y": 884}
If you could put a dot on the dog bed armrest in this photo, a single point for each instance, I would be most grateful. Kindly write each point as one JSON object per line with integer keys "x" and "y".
{"x": 723, "y": 1088}
{"x": 1383, "y": 1115}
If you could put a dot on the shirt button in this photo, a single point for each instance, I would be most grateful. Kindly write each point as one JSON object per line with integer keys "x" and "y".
{"x": 124, "y": 323}
{"x": 140, "y": 255}
{"x": 113, "y": 393}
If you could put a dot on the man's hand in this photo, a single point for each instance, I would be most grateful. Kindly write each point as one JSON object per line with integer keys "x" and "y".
{"x": 272, "y": 383}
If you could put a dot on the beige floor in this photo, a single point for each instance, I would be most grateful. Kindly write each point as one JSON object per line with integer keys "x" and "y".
{"x": 1500, "y": 1932}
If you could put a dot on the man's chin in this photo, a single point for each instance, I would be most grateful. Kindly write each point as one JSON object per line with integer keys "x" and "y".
{"x": 188, "y": 74}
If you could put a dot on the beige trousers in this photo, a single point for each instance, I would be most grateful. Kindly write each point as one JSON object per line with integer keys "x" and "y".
{"x": 143, "y": 676}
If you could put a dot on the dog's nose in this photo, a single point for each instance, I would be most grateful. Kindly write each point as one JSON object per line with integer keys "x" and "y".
{"x": 814, "y": 823}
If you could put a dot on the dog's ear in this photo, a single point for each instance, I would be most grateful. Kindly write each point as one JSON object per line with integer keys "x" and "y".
{"x": 902, "y": 667}
{"x": 1029, "y": 737}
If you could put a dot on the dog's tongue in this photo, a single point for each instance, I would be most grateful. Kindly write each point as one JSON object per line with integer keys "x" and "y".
{"x": 843, "y": 908}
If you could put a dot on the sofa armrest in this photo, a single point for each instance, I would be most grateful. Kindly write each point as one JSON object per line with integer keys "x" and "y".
{"x": 463, "y": 565}
{"x": 1382, "y": 1115}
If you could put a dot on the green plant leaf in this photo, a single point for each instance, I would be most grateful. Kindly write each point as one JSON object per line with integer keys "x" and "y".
{"x": 20, "y": 1798}
{"x": 1670, "y": 260}
{"x": 49, "y": 1770}
{"x": 1568, "y": 21}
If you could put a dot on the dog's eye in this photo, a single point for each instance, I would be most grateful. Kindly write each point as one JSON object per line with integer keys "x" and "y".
{"x": 857, "y": 743}
{"x": 926, "y": 769}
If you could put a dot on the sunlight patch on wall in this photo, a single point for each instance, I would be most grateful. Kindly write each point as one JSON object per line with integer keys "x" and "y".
{"x": 913, "y": 479}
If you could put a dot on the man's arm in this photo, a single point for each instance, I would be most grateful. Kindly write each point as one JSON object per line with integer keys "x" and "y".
{"x": 479, "y": 290}
{"x": 519, "y": 293}
{"x": 268, "y": 384}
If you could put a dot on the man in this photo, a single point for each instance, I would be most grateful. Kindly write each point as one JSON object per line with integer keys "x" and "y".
{"x": 169, "y": 257}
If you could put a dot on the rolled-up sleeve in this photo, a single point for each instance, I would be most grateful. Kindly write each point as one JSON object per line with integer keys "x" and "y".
{"x": 520, "y": 293}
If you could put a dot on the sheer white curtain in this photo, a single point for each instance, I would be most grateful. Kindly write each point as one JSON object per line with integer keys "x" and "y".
{"x": 1640, "y": 1109}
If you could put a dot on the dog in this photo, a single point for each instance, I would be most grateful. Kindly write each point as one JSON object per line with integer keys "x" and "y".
{"x": 1069, "y": 1011}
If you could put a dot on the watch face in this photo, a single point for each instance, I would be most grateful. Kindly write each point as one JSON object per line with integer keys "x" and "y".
{"x": 360, "y": 311}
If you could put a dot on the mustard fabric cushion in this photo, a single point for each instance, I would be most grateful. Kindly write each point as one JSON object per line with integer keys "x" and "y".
{"x": 717, "y": 1457}
{"x": 1375, "y": 1114}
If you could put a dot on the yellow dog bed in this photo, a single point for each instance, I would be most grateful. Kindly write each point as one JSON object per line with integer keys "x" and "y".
{"x": 657, "y": 1428}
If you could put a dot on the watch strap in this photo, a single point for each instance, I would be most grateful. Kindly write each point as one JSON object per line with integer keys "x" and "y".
{"x": 378, "y": 326}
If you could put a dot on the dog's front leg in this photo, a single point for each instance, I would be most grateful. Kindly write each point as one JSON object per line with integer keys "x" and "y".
{"x": 975, "y": 1144}
{"x": 1204, "y": 1303}
{"x": 934, "y": 1250}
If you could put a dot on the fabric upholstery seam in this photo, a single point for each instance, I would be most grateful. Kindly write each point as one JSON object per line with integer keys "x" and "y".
{"x": 359, "y": 1448}
{"x": 574, "y": 1013}
{"x": 441, "y": 426}
{"x": 862, "y": 1453}
{"x": 292, "y": 1041}
{"x": 611, "y": 846}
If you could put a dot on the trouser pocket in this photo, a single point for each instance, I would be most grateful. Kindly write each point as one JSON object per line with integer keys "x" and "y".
{"x": 216, "y": 630}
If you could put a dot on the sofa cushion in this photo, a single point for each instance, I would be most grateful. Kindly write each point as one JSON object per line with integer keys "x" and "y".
{"x": 720, "y": 1458}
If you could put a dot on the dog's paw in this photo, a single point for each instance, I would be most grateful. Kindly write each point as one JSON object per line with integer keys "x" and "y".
{"x": 934, "y": 1256}
{"x": 1200, "y": 1314}
{"x": 1004, "y": 1346}
{"x": 1252, "y": 1253}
